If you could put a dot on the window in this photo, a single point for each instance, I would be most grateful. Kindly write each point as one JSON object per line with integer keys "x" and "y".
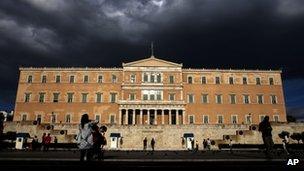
{"x": 86, "y": 79}
{"x": 171, "y": 79}
{"x": 68, "y": 118}
{"x": 260, "y": 99}
{"x": 43, "y": 80}
{"x": 152, "y": 94}
{"x": 244, "y": 80}
{"x": 99, "y": 79}
{"x": 41, "y": 97}
{"x": 57, "y": 80}
{"x": 84, "y": 97}
{"x": 273, "y": 99}
{"x": 232, "y": 99}
{"x": 231, "y": 80}
{"x": 205, "y": 119}
{"x": 152, "y": 78}
{"x": 234, "y": 119}
{"x": 220, "y": 119}
{"x": 171, "y": 97}
{"x": 97, "y": 118}
{"x": 145, "y": 77}
{"x": 98, "y": 97}
{"x": 158, "y": 96}
{"x": 248, "y": 119}
{"x": 24, "y": 117}
{"x": 70, "y": 97}
{"x": 217, "y": 80}
{"x": 27, "y": 97}
{"x": 38, "y": 119}
{"x": 276, "y": 118}
{"x": 191, "y": 119}
{"x": 112, "y": 119}
{"x": 190, "y": 80}
{"x": 218, "y": 98}
{"x": 246, "y": 99}
{"x": 204, "y": 80}
{"x": 258, "y": 81}
{"x": 72, "y": 79}
{"x": 205, "y": 98}
{"x": 145, "y": 97}
{"x": 270, "y": 81}
{"x": 190, "y": 98}
{"x": 55, "y": 97}
{"x": 158, "y": 76}
{"x": 30, "y": 79}
{"x": 262, "y": 117}
{"x": 113, "y": 97}
{"x": 152, "y": 97}
{"x": 132, "y": 96}
{"x": 53, "y": 118}
{"x": 132, "y": 78}
{"x": 114, "y": 79}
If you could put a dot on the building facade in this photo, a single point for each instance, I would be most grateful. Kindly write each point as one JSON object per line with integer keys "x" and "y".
{"x": 150, "y": 91}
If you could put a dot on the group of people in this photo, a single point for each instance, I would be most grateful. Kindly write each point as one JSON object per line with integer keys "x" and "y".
{"x": 45, "y": 142}
{"x": 90, "y": 139}
{"x": 145, "y": 144}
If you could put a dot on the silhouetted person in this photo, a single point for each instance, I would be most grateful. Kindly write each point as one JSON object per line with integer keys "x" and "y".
{"x": 55, "y": 143}
{"x": 265, "y": 128}
{"x": 152, "y": 144}
{"x": 48, "y": 140}
{"x": 43, "y": 141}
{"x": 205, "y": 144}
{"x": 34, "y": 143}
{"x": 230, "y": 145}
{"x": 192, "y": 144}
{"x": 145, "y": 141}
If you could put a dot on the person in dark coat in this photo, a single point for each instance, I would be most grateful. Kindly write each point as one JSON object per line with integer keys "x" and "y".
{"x": 145, "y": 141}
{"x": 152, "y": 144}
{"x": 265, "y": 128}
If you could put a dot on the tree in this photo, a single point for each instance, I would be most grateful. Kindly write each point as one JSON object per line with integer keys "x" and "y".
{"x": 291, "y": 118}
{"x": 296, "y": 136}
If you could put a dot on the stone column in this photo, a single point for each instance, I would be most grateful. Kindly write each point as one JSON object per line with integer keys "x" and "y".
{"x": 148, "y": 117}
{"x": 155, "y": 117}
{"x": 184, "y": 120}
{"x": 163, "y": 116}
{"x": 170, "y": 117}
{"x": 127, "y": 117}
{"x": 133, "y": 117}
{"x": 119, "y": 117}
{"x": 140, "y": 117}
{"x": 177, "y": 117}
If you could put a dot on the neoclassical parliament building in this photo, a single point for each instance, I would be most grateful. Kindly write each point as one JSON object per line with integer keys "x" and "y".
{"x": 150, "y": 91}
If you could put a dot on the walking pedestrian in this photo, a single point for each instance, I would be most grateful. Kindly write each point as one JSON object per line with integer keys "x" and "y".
{"x": 85, "y": 138}
{"x": 145, "y": 141}
{"x": 265, "y": 128}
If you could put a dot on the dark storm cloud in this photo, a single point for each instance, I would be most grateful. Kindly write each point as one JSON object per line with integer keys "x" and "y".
{"x": 259, "y": 34}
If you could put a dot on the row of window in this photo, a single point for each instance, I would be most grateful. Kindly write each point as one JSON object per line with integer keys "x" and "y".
{"x": 72, "y": 79}
{"x": 150, "y": 78}
{"x": 233, "y": 119}
{"x": 70, "y": 97}
{"x": 232, "y": 98}
{"x": 153, "y": 95}
{"x": 231, "y": 80}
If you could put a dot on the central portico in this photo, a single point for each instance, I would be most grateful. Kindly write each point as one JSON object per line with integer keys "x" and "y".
{"x": 146, "y": 79}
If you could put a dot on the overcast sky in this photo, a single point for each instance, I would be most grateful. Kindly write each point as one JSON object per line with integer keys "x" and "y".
{"x": 251, "y": 34}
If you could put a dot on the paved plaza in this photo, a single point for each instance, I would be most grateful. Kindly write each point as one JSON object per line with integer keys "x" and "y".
{"x": 138, "y": 160}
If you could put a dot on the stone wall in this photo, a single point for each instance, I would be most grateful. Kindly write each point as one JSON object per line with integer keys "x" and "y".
{"x": 168, "y": 137}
